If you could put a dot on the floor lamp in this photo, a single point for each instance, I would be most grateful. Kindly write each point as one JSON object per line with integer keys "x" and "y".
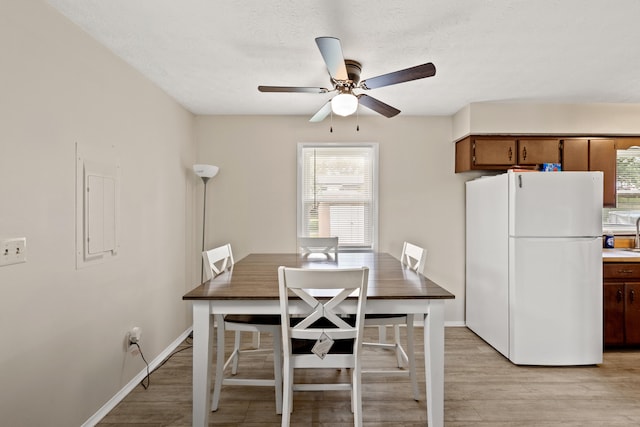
{"x": 206, "y": 172}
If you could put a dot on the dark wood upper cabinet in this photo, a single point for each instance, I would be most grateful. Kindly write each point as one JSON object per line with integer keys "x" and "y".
{"x": 538, "y": 151}
{"x": 494, "y": 152}
{"x": 485, "y": 153}
{"x": 602, "y": 157}
{"x": 575, "y": 154}
{"x": 597, "y": 154}
{"x": 503, "y": 152}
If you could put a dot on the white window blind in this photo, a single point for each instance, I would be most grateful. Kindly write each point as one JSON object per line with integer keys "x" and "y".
{"x": 628, "y": 179}
{"x": 627, "y": 208}
{"x": 337, "y": 192}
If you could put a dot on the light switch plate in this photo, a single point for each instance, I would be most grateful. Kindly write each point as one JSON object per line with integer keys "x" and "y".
{"x": 13, "y": 251}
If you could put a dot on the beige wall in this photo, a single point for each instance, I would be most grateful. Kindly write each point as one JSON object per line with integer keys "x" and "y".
{"x": 252, "y": 201}
{"x": 62, "y": 330}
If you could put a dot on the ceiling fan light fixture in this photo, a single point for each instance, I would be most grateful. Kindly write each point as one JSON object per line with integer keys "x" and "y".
{"x": 344, "y": 104}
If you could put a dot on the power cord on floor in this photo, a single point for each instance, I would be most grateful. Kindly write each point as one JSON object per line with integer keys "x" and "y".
{"x": 148, "y": 377}
{"x": 189, "y": 342}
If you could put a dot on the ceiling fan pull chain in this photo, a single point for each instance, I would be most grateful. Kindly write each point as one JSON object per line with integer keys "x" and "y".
{"x": 357, "y": 121}
{"x": 331, "y": 126}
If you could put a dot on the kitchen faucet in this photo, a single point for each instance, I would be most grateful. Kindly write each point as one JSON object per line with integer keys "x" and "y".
{"x": 637, "y": 245}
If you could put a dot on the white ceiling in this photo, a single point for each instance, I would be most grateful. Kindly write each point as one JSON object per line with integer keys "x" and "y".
{"x": 211, "y": 55}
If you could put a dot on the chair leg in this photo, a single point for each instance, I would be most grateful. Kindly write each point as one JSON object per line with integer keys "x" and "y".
{"x": 236, "y": 353}
{"x": 287, "y": 400}
{"x": 412, "y": 357}
{"x": 256, "y": 340}
{"x": 277, "y": 370}
{"x": 356, "y": 396}
{"x": 382, "y": 334}
{"x": 396, "y": 337}
{"x": 217, "y": 387}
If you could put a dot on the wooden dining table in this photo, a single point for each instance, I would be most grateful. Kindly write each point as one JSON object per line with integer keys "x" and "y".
{"x": 251, "y": 287}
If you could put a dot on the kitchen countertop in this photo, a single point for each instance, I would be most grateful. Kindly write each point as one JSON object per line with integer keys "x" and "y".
{"x": 620, "y": 255}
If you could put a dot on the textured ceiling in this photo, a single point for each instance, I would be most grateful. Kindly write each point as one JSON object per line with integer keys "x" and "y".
{"x": 211, "y": 55}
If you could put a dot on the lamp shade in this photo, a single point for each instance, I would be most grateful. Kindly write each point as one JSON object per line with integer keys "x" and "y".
{"x": 344, "y": 104}
{"x": 206, "y": 171}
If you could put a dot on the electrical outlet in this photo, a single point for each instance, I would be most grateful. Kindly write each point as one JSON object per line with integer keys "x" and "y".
{"x": 13, "y": 251}
{"x": 133, "y": 337}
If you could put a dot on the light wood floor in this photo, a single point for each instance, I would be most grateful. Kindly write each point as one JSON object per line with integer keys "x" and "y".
{"x": 482, "y": 388}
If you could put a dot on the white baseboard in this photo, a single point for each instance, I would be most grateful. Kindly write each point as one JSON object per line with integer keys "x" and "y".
{"x": 455, "y": 324}
{"x": 447, "y": 324}
{"x": 119, "y": 396}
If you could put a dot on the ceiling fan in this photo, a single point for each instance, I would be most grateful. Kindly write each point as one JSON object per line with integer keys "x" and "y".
{"x": 345, "y": 78}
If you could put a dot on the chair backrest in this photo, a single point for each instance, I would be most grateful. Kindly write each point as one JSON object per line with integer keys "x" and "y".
{"x": 217, "y": 260}
{"x": 324, "y": 245}
{"x": 324, "y": 293}
{"x": 413, "y": 256}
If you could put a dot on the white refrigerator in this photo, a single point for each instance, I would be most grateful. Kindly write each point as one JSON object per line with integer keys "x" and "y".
{"x": 534, "y": 265}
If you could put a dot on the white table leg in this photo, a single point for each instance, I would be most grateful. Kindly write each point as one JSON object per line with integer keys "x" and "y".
{"x": 202, "y": 353}
{"x": 434, "y": 362}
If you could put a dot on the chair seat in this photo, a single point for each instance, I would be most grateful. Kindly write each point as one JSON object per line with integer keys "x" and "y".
{"x": 300, "y": 346}
{"x": 384, "y": 316}
{"x": 261, "y": 319}
{"x": 338, "y": 347}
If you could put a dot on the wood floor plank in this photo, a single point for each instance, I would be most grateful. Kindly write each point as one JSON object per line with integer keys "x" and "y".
{"x": 482, "y": 388}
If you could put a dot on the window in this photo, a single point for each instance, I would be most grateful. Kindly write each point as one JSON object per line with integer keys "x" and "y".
{"x": 337, "y": 193}
{"x": 627, "y": 208}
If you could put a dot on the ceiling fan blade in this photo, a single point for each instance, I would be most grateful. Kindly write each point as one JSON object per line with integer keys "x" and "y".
{"x": 292, "y": 89}
{"x": 322, "y": 113}
{"x": 401, "y": 76}
{"x": 378, "y": 106}
{"x": 331, "y": 52}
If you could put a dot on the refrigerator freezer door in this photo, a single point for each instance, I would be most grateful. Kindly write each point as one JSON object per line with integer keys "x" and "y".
{"x": 555, "y": 204}
{"x": 555, "y": 295}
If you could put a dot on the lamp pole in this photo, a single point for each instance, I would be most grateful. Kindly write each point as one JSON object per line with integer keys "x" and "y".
{"x": 204, "y": 225}
{"x": 206, "y": 172}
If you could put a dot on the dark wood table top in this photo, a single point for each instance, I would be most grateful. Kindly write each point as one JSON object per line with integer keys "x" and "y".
{"x": 256, "y": 277}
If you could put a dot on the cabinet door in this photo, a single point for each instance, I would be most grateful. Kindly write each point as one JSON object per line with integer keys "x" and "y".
{"x": 494, "y": 152}
{"x": 575, "y": 155}
{"x": 602, "y": 157}
{"x": 613, "y": 316}
{"x": 632, "y": 314}
{"x": 537, "y": 151}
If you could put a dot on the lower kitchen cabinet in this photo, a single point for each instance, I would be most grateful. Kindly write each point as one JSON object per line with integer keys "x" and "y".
{"x": 621, "y": 301}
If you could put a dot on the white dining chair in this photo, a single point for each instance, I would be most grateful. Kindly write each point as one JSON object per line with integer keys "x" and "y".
{"x": 320, "y": 335}
{"x": 216, "y": 261}
{"x": 318, "y": 245}
{"x": 413, "y": 257}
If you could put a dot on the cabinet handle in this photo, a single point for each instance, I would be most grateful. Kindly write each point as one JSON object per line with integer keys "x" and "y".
{"x": 625, "y": 271}
{"x": 619, "y": 295}
{"x": 524, "y": 153}
{"x": 510, "y": 153}
{"x": 632, "y": 296}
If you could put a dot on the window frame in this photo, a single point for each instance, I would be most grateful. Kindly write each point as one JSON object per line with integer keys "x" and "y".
{"x": 375, "y": 188}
